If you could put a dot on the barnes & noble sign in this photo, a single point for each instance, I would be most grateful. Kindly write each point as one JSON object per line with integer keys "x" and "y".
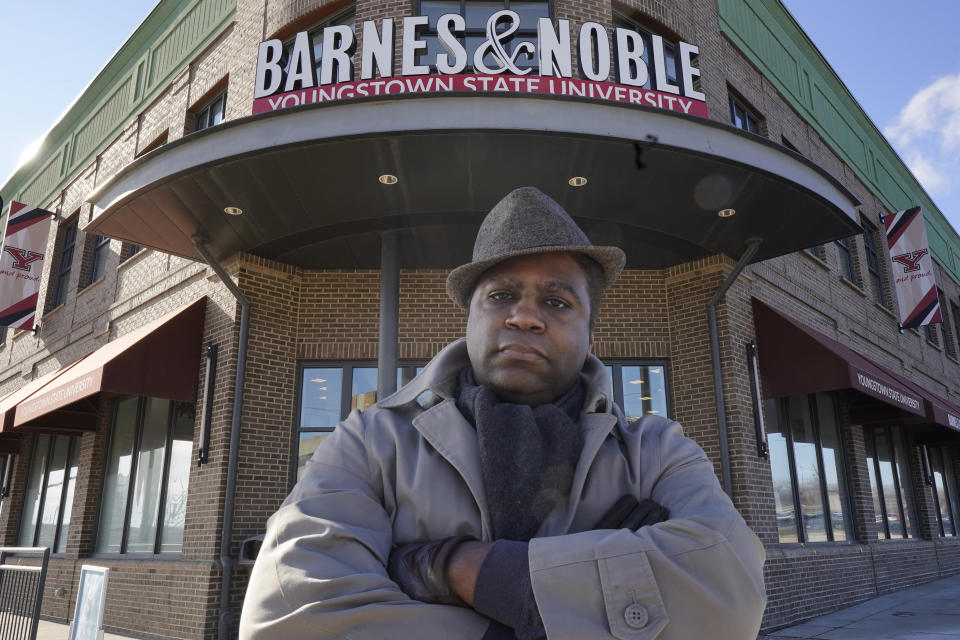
{"x": 501, "y": 63}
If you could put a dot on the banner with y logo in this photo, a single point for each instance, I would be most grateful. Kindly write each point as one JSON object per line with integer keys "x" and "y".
{"x": 912, "y": 268}
{"x": 21, "y": 264}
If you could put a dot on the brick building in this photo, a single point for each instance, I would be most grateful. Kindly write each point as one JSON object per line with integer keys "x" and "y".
{"x": 236, "y": 255}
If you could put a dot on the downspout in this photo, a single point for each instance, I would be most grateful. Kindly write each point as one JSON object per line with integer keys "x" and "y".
{"x": 226, "y": 561}
{"x": 753, "y": 244}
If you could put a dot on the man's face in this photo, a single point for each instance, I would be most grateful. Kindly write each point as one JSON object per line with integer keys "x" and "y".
{"x": 528, "y": 330}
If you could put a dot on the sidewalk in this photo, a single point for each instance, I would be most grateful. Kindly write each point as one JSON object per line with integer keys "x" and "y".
{"x": 47, "y": 630}
{"x": 928, "y": 612}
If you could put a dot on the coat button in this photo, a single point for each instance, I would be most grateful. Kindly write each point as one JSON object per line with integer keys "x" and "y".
{"x": 636, "y": 616}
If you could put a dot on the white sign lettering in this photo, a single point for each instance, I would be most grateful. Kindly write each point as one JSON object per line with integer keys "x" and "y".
{"x": 289, "y": 80}
{"x": 887, "y": 392}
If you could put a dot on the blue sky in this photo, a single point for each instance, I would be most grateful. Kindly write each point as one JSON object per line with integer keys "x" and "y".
{"x": 901, "y": 60}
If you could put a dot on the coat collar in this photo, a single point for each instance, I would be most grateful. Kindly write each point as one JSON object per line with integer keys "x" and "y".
{"x": 440, "y": 378}
{"x": 447, "y": 431}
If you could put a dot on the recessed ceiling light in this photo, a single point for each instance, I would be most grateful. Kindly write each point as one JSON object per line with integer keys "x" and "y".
{"x": 233, "y": 211}
{"x": 577, "y": 181}
{"x": 388, "y": 178}
{"x": 725, "y": 213}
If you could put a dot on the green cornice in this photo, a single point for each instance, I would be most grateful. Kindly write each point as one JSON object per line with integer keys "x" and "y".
{"x": 772, "y": 40}
{"x": 174, "y": 33}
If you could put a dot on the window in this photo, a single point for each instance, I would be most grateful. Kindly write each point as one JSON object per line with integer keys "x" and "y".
{"x": 670, "y": 58}
{"x": 948, "y": 344}
{"x": 346, "y": 17}
{"x": 325, "y": 400}
{"x": 806, "y": 462}
{"x": 931, "y": 333}
{"x": 212, "y": 113}
{"x": 99, "y": 252}
{"x": 61, "y": 277}
{"x": 955, "y": 314}
{"x": 873, "y": 264}
{"x": 640, "y": 388}
{"x": 475, "y": 14}
{"x": 742, "y": 118}
{"x": 147, "y": 470}
{"x": 48, "y": 498}
{"x": 889, "y": 481}
{"x": 845, "y": 252}
{"x": 128, "y": 250}
{"x": 945, "y": 490}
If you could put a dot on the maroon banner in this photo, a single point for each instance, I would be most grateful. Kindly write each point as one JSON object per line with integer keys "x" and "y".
{"x": 486, "y": 84}
{"x": 21, "y": 264}
{"x": 912, "y": 268}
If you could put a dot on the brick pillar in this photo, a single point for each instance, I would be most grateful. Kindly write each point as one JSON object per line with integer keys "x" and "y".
{"x": 861, "y": 493}
{"x": 923, "y": 496}
{"x": 86, "y": 494}
{"x": 13, "y": 504}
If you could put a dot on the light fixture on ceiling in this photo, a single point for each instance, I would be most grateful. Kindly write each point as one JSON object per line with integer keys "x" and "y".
{"x": 388, "y": 178}
{"x": 726, "y": 213}
{"x": 233, "y": 211}
{"x": 577, "y": 181}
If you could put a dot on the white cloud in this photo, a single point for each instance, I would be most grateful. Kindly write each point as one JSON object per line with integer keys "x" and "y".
{"x": 926, "y": 132}
{"x": 932, "y": 110}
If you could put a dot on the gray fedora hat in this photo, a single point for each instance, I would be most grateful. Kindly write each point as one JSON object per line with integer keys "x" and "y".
{"x": 527, "y": 221}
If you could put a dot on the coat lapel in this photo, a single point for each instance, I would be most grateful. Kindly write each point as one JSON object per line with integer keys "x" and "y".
{"x": 596, "y": 427}
{"x": 447, "y": 431}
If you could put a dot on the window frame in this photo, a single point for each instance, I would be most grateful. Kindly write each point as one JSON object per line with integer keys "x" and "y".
{"x": 616, "y": 380}
{"x": 782, "y": 409}
{"x": 946, "y": 328}
{"x": 68, "y": 244}
{"x": 905, "y": 503}
{"x": 135, "y": 452}
{"x": 99, "y": 253}
{"x": 336, "y": 18}
{"x": 203, "y": 113}
{"x": 950, "y": 486}
{"x": 346, "y": 369}
{"x": 670, "y": 49}
{"x": 520, "y": 34}
{"x": 73, "y": 450}
{"x": 871, "y": 248}
{"x": 748, "y": 117}
{"x": 846, "y": 264}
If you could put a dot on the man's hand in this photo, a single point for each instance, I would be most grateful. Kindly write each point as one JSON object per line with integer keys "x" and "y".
{"x": 434, "y": 572}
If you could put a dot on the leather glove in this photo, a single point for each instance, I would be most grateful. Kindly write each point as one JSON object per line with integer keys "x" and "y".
{"x": 419, "y": 569}
{"x": 627, "y": 513}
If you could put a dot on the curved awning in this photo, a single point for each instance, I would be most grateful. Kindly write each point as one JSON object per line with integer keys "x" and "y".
{"x": 307, "y": 182}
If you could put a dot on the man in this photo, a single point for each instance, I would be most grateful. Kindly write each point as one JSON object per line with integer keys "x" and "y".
{"x": 501, "y": 494}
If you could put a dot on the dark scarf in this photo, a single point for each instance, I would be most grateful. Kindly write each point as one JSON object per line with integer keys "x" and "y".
{"x": 527, "y": 454}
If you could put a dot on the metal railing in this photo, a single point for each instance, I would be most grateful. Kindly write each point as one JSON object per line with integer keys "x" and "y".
{"x": 21, "y": 592}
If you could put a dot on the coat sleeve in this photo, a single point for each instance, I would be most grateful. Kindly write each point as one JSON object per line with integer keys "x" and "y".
{"x": 697, "y": 575}
{"x": 321, "y": 569}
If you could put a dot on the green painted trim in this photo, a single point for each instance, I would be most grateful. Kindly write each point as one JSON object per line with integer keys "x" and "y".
{"x": 174, "y": 33}
{"x": 772, "y": 40}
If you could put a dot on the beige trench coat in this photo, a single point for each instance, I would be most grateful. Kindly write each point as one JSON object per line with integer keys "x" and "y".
{"x": 408, "y": 470}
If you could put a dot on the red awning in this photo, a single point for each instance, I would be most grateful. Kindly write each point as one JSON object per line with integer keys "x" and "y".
{"x": 8, "y": 403}
{"x": 160, "y": 359}
{"x": 795, "y": 359}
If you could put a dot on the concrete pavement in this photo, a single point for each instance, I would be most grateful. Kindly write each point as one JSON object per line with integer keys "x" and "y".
{"x": 928, "y": 612}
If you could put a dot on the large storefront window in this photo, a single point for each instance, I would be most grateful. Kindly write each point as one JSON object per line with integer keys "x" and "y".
{"x": 326, "y": 399}
{"x": 329, "y": 393}
{"x": 475, "y": 14}
{"x": 889, "y": 481}
{"x": 48, "y": 499}
{"x": 806, "y": 461}
{"x": 144, "y": 500}
{"x": 640, "y": 388}
{"x": 945, "y": 488}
